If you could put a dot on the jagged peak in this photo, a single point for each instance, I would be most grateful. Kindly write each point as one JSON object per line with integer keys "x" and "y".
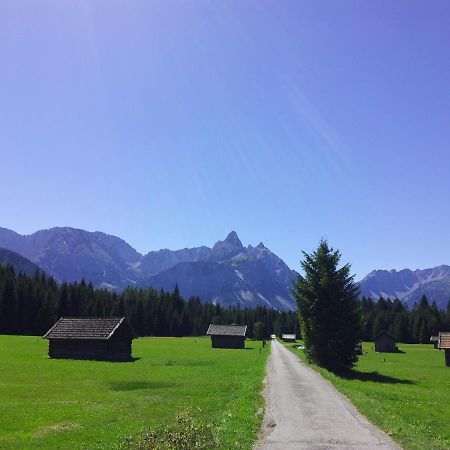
{"x": 233, "y": 239}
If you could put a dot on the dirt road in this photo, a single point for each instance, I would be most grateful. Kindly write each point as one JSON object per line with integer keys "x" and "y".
{"x": 304, "y": 411}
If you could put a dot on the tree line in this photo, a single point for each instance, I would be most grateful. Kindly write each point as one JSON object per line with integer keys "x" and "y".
{"x": 30, "y": 305}
{"x": 415, "y": 325}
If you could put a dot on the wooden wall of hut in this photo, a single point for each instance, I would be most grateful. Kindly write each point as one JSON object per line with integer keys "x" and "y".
{"x": 227, "y": 341}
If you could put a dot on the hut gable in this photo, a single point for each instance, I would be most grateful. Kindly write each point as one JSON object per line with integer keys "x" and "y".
{"x": 227, "y": 336}
{"x": 385, "y": 342}
{"x": 103, "y": 338}
{"x": 444, "y": 340}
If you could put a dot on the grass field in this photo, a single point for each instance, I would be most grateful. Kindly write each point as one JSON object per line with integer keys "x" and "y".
{"x": 406, "y": 394}
{"x": 66, "y": 404}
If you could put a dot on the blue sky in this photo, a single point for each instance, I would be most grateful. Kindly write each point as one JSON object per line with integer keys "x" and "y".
{"x": 170, "y": 123}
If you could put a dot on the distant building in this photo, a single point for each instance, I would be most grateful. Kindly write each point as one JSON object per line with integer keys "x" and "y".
{"x": 227, "y": 336}
{"x": 385, "y": 343}
{"x": 273, "y": 336}
{"x": 444, "y": 344}
{"x": 288, "y": 337}
{"x": 434, "y": 340}
{"x": 100, "y": 338}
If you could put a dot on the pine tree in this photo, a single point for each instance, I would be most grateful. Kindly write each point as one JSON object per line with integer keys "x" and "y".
{"x": 329, "y": 312}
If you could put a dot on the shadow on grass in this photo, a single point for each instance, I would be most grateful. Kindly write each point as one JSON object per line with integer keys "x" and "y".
{"x": 186, "y": 363}
{"x": 373, "y": 376}
{"x": 139, "y": 385}
{"x": 127, "y": 360}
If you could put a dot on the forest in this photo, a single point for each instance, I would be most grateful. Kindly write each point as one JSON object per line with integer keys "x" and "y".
{"x": 30, "y": 305}
{"x": 409, "y": 325}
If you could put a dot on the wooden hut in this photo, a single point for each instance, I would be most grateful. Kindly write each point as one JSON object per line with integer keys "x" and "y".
{"x": 100, "y": 338}
{"x": 227, "y": 336}
{"x": 385, "y": 342}
{"x": 288, "y": 337}
{"x": 435, "y": 341}
{"x": 444, "y": 344}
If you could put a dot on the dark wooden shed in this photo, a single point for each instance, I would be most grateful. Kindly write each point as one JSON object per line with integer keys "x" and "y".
{"x": 227, "y": 336}
{"x": 100, "y": 338}
{"x": 444, "y": 344}
{"x": 385, "y": 342}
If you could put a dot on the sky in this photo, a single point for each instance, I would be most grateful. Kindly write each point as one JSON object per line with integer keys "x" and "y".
{"x": 170, "y": 123}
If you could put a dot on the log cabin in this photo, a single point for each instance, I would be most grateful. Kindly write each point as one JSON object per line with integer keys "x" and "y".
{"x": 385, "y": 342}
{"x": 97, "y": 338}
{"x": 227, "y": 336}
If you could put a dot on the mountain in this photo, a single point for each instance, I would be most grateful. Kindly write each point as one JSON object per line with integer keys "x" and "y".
{"x": 70, "y": 254}
{"x": 228, "y": 273}
{"x": 232, "y": 274}
{"x": 409, "y": 285}
{"x": 157, "y": 261}
{"x": 20, "y": 264}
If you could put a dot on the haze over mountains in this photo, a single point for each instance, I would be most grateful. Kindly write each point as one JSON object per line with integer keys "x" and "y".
{"x": 228, "y": 273}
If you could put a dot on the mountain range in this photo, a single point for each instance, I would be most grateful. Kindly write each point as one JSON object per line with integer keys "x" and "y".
{"x": 409, "y": 285}
{"x": 228, "y": 273}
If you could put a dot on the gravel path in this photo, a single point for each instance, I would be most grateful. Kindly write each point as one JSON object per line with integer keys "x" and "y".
{"x": 304, "y": 411}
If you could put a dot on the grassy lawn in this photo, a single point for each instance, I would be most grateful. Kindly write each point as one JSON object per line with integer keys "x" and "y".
{"x": 406, "y": 394}
{"x": 66, "y": 404}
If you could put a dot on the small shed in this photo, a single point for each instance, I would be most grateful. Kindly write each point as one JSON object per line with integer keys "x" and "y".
{"x": 227, "y": 336}
{"x": 288, "y": 337}
{"x": 385, "y": 342}
{"x": 435, "y": 341}
{"x": 444, "y": 344}
{"x": 100, "y": 338}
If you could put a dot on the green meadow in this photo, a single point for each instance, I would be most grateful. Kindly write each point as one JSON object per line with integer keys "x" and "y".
{"x": 407, "y": 394}
{"x": 68, "y": 404}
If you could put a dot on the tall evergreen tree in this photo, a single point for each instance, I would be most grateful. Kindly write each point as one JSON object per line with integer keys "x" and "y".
{"x": 328, "y": 307}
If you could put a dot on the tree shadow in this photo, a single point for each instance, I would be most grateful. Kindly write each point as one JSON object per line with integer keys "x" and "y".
{"x": 372, "y": 376}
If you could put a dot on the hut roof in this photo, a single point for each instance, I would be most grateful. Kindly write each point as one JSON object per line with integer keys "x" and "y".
{"x": 84, "y": 328}
{"x": 384, "y": 333}
{"x": 288, "y": 336}
{"x": 227, "y": 330}
{"x": 444, "y": 340}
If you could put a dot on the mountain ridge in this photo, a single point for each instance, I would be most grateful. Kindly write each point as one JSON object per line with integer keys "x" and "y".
{"x": 409, "y": 285}
{"x": 234, "y": 271}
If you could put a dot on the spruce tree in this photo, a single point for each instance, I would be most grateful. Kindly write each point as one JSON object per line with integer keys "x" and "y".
{"x": 329, "y": 311}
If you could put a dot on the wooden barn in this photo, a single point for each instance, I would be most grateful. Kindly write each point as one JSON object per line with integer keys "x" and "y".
{"x": 444, "y": 344}
{"x": 288, "y": 337}
{"x": 227, "y": 336}
{"x": 100, "y": 338}
{"x": 385, "y": 342}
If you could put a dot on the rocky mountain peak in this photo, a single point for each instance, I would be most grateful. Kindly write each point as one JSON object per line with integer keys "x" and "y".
{"x": 233, "y": 239}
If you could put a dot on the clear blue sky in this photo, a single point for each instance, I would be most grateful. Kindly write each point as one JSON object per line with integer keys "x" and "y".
{"x": 170, "y": 123}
